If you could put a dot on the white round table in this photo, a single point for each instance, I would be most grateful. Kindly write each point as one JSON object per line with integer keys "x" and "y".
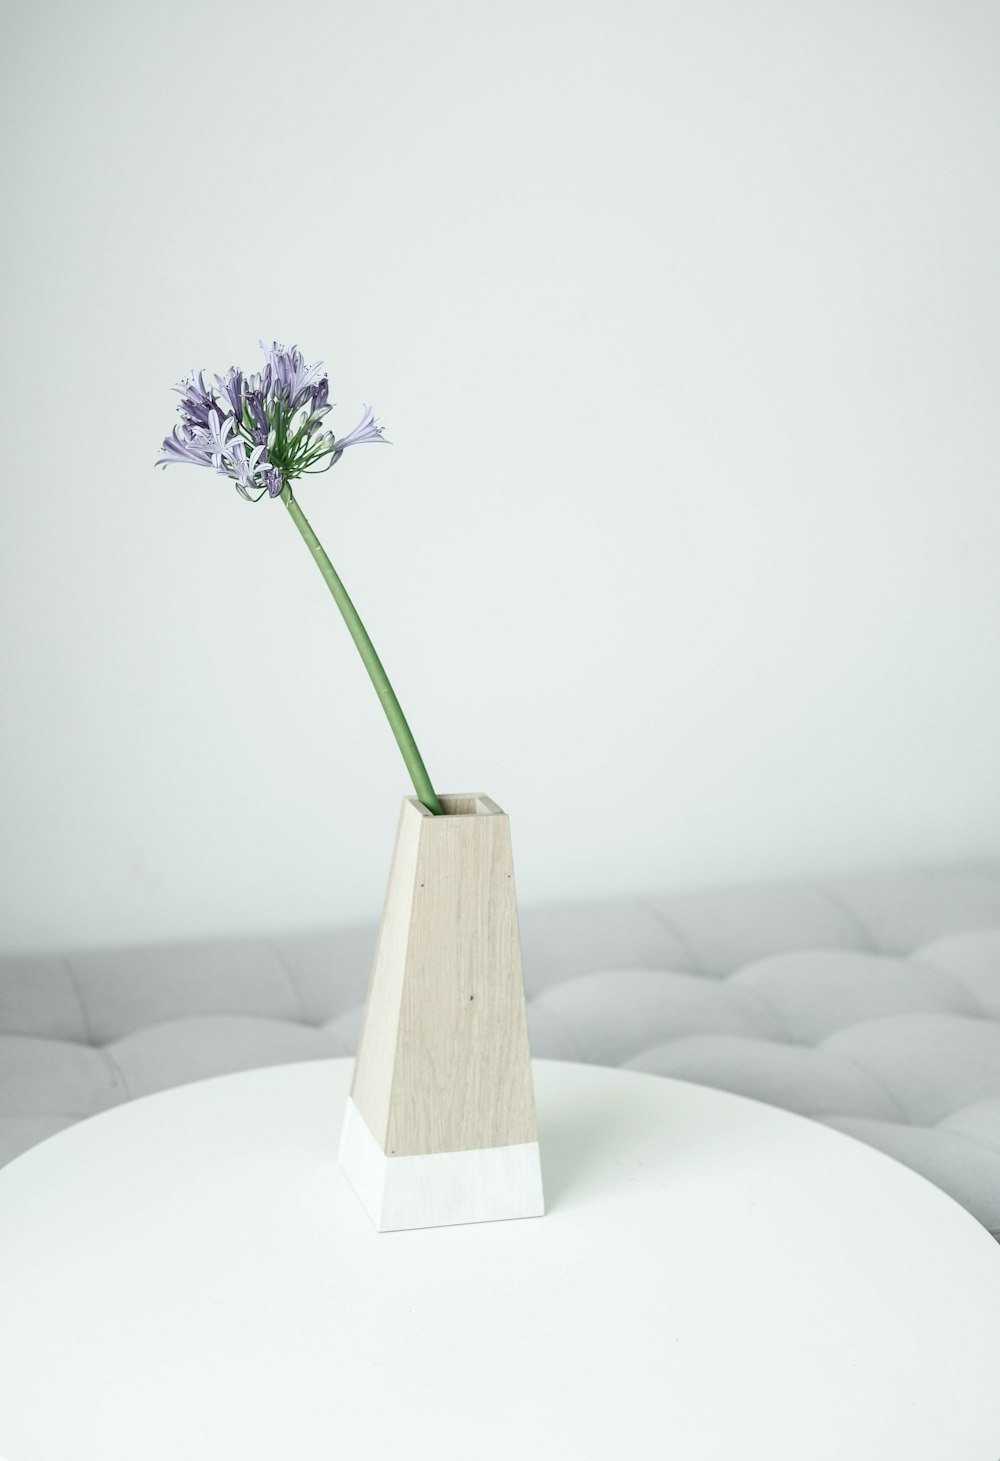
{"x": 190, "y": 1275}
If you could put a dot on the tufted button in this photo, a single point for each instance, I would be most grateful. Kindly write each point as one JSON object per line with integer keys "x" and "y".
{"x": 55, "y": 1078}
{"x": 817, "y": 992}
{"x": 124, "y": 990}
{"x": 176, "y": 1051}
{"x": 616, "y": 1014}
{"x": 932, "y": 1064}
{"x": 38, "y": 997}
{"x": 808, "y": 1081}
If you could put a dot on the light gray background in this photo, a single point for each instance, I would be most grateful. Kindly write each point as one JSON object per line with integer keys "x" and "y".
{"x": 683, "y": 321}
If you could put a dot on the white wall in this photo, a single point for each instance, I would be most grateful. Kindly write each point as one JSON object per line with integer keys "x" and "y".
{"x": 683, "y": 321}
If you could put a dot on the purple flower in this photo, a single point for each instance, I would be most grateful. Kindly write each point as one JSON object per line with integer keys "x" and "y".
{"x": 260, "y": 384}
{"x": 321, "y": 396}
{"x": 243, "y": 470}
{"x": 255, "y": 402}
{"x": 215, "y": 438}
{"x": 366, "y": 430}
{"x": 196, "y": 400}
{"x": 290, "y": 373}
{"x": 231, "y": 385}
{"x": 180, "y": 448}
{"x": 261, "y": 431}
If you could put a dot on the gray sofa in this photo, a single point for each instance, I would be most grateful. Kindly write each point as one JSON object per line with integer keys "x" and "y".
{"x": 871, "y": 1004}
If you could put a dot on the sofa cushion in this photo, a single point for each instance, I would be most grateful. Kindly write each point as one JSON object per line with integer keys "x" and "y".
{"x": 871, "y": 1004}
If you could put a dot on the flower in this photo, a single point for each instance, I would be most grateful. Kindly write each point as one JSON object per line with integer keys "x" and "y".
{"x": 180, "y": 448}
{"x": 291, "y": 374}
{"x": 215, "y": 439}
{"x": 321, "y": 395}
{"x": 255, "y": 404}
{"x": 196, "y": 400}
{"x": 245, "y": 469}
{"x": 231, "y": 386}
{"x": 261, "y": 431}
{"x": 366, "y": 430}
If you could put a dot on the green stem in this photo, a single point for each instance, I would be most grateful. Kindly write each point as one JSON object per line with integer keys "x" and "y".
{"x": 379, "y": 678}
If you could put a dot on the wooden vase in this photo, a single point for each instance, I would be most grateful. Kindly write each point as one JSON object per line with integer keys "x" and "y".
{"x": 440, "y": 1123}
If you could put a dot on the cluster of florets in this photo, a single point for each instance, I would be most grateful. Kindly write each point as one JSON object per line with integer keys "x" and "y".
{"x": 261, "y": 431}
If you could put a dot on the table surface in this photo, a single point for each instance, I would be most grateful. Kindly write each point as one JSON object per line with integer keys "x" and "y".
{"x": 191, "y": 1275}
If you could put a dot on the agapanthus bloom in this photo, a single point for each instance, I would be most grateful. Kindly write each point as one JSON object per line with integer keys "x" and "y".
{"x": 216, "y": 435}
{"x": 366, "y": 430}
{"x": 244, "y": 469}
{"x": 261, "y": 431}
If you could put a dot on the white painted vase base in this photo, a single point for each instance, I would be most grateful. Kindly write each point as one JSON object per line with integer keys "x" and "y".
{"x": 485, "y": 1185}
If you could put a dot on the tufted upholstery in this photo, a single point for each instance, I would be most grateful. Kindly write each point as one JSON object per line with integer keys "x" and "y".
{"x": 871, "y": 1004}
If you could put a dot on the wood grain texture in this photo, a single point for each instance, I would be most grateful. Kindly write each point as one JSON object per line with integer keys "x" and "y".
{"x": 372, "y": 1085}
{"x": 443, "y": 1061}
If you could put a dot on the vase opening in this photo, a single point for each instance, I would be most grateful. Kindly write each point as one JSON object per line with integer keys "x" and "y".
{"x": 468, "y": 805}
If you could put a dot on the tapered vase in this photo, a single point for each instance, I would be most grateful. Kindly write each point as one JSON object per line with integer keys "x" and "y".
{"x": 440, "y": 1122}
